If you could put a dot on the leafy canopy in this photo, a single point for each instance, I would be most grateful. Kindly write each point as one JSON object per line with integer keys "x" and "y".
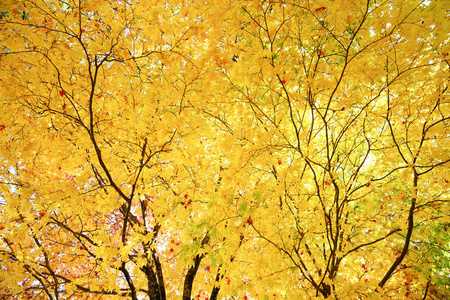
{"x": 224, "y": 149}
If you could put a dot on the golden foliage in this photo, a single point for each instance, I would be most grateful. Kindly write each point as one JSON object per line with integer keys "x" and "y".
{"x": 224, "y": 149}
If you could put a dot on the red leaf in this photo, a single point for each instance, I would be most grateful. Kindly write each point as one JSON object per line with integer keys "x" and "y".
{"x": 61, "y": 93}
{"x": 249, "y": 221}
{"x": 64, "y": 106}
{"x": 320, "y": 9}
{"x": 283, "y": 81}
{"x": 279, "y": 162}
{"x": 2, "y": 127}
{"x": 185, "y": 196}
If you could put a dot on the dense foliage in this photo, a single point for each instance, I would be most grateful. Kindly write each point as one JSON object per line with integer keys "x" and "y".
{"x": 286, "y": 149}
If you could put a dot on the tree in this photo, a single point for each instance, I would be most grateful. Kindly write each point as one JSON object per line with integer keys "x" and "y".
{"x": 107, "y": 165}
{"x": 206, "y": 149}
{"x": 345, "y": 119}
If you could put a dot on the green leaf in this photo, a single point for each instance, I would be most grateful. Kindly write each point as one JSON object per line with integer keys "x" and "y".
{"x": 257, "y": 195}
{"x": 243, "y": 206}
